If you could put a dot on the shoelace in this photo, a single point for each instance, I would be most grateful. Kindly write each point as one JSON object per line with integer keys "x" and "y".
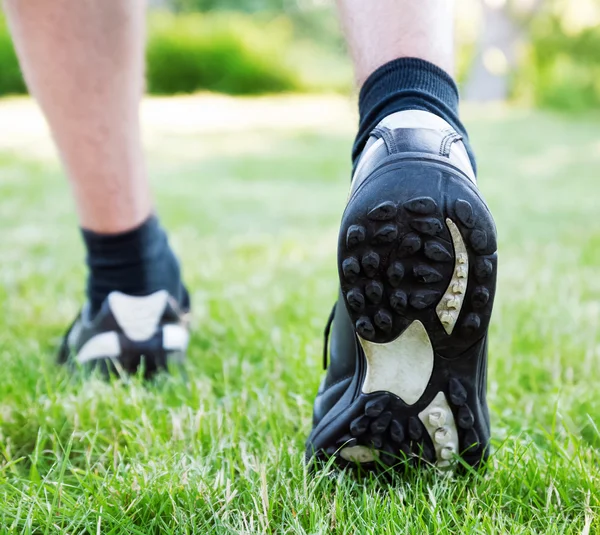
{"x": 327, "y": 332}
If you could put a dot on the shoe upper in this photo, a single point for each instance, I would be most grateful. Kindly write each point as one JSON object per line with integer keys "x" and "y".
{"x": 125, "y": 328}
{"x": 412, "y": 131}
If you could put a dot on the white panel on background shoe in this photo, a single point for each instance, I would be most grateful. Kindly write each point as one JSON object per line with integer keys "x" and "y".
{"x": 358, "y": 454}
{"x": 105, "y": 345}
{"x": 138, "y": 316}
{"x": 175, "y": 338}
{"x": 402, "y": 367}
{"x": 438, "y": 419}
{"x": 448, "y": 309}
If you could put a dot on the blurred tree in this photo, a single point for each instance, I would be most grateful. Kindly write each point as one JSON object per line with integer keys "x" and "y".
{"x": 503, "y": 29}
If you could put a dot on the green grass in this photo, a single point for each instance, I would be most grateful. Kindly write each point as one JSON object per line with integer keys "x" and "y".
{"x": 253, "y": 215}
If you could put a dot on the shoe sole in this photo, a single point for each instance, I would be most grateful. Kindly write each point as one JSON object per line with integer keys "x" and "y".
{"x": 417, "y": 263}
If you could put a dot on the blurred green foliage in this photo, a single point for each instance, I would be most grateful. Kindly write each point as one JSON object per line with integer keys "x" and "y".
{"x": 11, "y": 80}
{"x": 561, "y": 67}
{"x": 250, "y": 6}
{"x": 267, "y": 46}
{"x": 229, "y": 53}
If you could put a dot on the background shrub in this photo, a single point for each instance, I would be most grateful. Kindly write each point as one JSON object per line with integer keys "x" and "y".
{"x": 561, "y": 68}
{"x": 11, "y": 80}
{"x": 225, "y": 52}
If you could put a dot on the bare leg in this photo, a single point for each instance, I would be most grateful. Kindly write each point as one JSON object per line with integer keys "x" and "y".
{"x": 383, "y": 30}
{"x": 83, "y": 62}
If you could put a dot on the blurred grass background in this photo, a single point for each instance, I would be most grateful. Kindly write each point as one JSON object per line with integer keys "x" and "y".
{"x": 535, "y": 52}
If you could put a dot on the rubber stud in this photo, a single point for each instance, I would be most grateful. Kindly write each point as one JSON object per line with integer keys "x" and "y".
{"x": 453, "y": 302}
{"x": 459, "y": 287}
{"x": 395, "y": 274}
{"x": 356, "y": 300}
{"x": 458, "y": 394}
{"x": 381, "y": 424}
{"x": 405, "y": 451}
{"x": 409, "y": 245}
{"x": 483, "y": 269}
{"x": 370, "y": 263}
{"x": 396, "y": 431}
{"x": 347, "y": 441}
{"x": 423, "y": 298}
{"x": 398, "y": 301}
{"x": 448, "y": 318}
{"x": 481, "y": 296}
{"x": 365, "y": 328}
{"x": 377, "y": 441}
{"x": 355, "y": 236}
{"x": 359, "y": 426}
{"x": 421, "y": 205}
{"x": 389, "y": 456}
{"x": 437, "y": 418}
{"x": 464, "y": 211}
{"x": 386, "y": 234}
{"x": 374, "y": 291}
{"x": 447, "y": 453}
{"x": 471, "y": 324}
{"x": 415, "y": 431}
{"x": 427, "y": 225}
{"x": 442, "y": 436}
{"x": 350, "y": 269}
{"x": 437, "y": 252}
{"x": 466, "y": 420}
{"x": 375, "y": 407}
{"x": 479, "y": 240}
{"x": 426, "y": 274}
{"x": 383, "y": 320}
{"x": 383, "y": 212}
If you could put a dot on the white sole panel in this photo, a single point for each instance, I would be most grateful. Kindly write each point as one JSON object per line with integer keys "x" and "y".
{"x": 105, "y": 345}
{"x": 402, "y": 367}
{"x": 448, "y": 309}
{"x": 138, "y": 316}
{"x": 441, "y": 427}
{"x": 175, "y": 338}
{"x": 358, "y": 454}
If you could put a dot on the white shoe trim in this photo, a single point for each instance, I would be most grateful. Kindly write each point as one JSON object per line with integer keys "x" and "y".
{"x": 138, "y": 316}
{"x": 104, "y": 345}
{"x": 175, "y": 337}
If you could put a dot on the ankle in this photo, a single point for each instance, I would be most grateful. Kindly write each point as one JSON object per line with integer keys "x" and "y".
{"x": 137, "y": 262}
{"x": 408, "y": 84}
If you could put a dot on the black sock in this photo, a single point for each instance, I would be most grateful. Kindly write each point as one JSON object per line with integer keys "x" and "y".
{"x": 136, "y": 262}
{"x": 407, "y": 84}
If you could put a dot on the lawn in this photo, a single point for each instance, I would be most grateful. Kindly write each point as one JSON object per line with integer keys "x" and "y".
{"x": 252, "y": 191}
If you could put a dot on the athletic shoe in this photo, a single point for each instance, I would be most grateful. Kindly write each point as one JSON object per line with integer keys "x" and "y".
{"x": 127, "y": 331}
{"x": 417, "y": 265}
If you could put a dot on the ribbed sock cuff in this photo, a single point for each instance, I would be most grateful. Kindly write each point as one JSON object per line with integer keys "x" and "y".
{"x": 137, "y": 262}
{"x": 407, "y": 84}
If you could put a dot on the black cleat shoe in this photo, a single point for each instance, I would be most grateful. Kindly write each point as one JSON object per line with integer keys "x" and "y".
{"x": 127, "y": 331}
{"x": 417, "y": 265}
